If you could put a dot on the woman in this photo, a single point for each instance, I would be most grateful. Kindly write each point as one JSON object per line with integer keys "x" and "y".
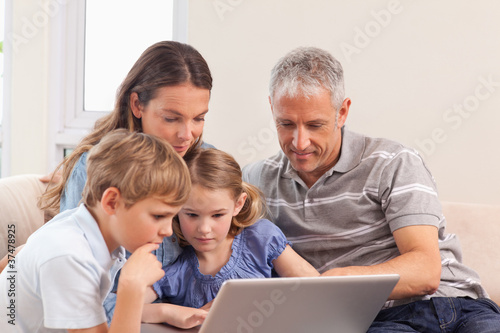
{"x": 166, "y": 94}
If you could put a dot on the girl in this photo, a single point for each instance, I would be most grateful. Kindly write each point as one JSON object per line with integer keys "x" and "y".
{"x": 224, "y": 238}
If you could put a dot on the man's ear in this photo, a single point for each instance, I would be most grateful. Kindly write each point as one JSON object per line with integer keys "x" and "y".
{"x": 136, "y": 105}
{"x": 271, "y": 103}
{"x": 343, "y": 112}
{"x": 110, "y": 200}
{"x": 240, "y": 203}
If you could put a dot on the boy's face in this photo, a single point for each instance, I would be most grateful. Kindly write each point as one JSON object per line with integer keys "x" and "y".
{"x": 147, "y": 221}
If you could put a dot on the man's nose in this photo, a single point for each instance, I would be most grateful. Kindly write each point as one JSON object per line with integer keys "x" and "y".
{"x": 301, "y": 139}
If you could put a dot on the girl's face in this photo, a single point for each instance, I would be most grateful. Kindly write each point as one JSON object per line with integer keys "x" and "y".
{"x": 206, "y": 217}
{"x": 176, "y": 114}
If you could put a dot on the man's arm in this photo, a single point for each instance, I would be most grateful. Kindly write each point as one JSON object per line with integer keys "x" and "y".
{"x": 419, "y": 264}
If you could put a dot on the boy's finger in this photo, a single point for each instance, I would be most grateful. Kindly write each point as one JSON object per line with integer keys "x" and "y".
{"x": 149, "y": 247}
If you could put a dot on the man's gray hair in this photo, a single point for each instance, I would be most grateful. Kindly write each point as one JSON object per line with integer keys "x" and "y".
{"x": 306, "y": 70}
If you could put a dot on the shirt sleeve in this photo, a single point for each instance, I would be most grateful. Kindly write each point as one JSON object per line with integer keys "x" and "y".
{"x": 72, "y": 194}
{"x": 408, "y": 193}
{"x": 70, "y": 290}
{"x": 266, "y": 241}
{"x": 252, "y": 172}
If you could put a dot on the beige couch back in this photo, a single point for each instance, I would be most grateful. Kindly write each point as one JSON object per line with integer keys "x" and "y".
{"x": 19, "y": 213}
{"x": 478, "y": 229}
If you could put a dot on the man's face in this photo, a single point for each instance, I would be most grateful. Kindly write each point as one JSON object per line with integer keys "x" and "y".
{"x": 308, "y": 133}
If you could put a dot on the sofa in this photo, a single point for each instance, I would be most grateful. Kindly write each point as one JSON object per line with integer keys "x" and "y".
{"x": 477, "y": 226}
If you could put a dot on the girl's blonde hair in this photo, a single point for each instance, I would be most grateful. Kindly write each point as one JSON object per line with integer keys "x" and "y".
{"x": 164, "y": 64}
{"x": 215, "y": 170}
{"x": 141, "y": 166}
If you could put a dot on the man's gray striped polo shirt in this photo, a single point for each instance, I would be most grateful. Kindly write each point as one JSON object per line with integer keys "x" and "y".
{"x": 347, "y": 217}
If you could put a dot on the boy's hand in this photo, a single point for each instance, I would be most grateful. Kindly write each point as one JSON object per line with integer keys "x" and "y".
{"x": 142, "y": 268}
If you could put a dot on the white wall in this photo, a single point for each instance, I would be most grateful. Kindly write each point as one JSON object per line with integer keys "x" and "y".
{"x": 28, "y": 94}
{"x": 405, "y": 74}
{"x": 425, "y": 73}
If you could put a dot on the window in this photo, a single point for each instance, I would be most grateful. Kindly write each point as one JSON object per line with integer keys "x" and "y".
{"x": 99, "y": 45}
{"x": 112, "y": 46}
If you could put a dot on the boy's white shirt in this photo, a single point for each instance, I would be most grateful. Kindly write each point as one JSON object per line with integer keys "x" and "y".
{"x": 62, "y": 276}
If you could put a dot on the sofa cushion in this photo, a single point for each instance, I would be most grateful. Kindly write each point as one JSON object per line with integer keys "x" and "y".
{"x": 478, "y": 230}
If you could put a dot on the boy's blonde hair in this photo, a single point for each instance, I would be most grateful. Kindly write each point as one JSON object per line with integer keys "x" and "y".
{"x": 139, "y": 165}
{"x": 215, "y": 170}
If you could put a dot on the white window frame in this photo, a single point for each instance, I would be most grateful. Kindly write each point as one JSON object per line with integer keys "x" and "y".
{"x": 68, "y": 122}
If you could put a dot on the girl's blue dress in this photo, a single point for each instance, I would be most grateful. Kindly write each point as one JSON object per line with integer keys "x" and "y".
{"x": 253, "y": 252}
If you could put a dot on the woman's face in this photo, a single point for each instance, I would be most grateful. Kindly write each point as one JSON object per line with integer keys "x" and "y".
{"x": 176, "y": 114}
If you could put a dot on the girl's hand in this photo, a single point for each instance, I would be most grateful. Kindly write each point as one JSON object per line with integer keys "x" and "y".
{"x": 208, "y": 305}
{"x": 186, "y": 317}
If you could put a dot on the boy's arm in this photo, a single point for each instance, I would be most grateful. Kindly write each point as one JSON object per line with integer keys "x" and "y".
{"x": 140, "y": 271}
{"x": 289, "y": 263}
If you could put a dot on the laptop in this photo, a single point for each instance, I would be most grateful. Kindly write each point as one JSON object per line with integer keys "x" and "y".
{"x": 334, "y": 304}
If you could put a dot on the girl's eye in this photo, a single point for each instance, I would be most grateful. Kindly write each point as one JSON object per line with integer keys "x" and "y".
{"x": 191, "y": 214}
{"x": 218, "y": 215}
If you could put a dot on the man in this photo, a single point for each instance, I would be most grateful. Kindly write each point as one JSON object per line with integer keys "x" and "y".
{"x": 354, "y": 205}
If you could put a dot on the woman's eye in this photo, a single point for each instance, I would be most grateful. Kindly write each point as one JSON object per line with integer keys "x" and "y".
{"x": 169, "y": 120}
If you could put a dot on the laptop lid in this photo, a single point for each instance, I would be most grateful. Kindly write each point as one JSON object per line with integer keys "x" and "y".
{"x": 342, "y": 304}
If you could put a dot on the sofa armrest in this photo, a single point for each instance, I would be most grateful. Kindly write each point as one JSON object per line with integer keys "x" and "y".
{"x": 20, "y": 215}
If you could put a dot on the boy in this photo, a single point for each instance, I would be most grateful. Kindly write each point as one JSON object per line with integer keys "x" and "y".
{"x": 136, "y": 184}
